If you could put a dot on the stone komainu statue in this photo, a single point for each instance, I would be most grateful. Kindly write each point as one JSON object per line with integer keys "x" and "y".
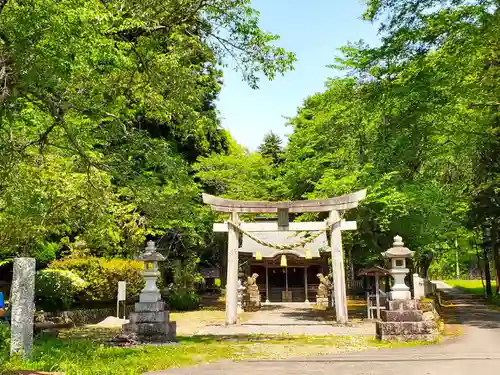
{"x": 323, "y": 287}
{"x": 252, "y": 293}
{"x": 252, "y": 280}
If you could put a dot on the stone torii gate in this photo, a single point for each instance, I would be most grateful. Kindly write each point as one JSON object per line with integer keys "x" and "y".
{"x": 334, "y": 224}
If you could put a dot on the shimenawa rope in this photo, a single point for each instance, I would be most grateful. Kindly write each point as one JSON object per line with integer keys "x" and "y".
{"x": 291, "y": 246}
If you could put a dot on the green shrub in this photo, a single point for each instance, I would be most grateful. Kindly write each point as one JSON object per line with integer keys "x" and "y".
{"x": 103, "y": 275}
{"x": 56, "y": 289}
{"x": 45, "y": 252}
{"x": 183, "y": 300}
{"x": 182, "y": 292}
{"x": 4, "y": 340}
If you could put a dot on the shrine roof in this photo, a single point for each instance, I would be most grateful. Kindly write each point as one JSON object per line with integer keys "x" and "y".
{"x": 372, "y": 271}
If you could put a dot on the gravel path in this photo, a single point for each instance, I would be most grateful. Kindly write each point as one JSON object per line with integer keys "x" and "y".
{"x": 291, "y": 319}
{"x": 476, "y": 352}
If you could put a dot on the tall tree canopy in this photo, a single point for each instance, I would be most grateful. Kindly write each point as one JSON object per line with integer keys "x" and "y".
{"x": 413, "y": 120}
{"x": 109, "y": 129}
{"x": 103, "y": 107}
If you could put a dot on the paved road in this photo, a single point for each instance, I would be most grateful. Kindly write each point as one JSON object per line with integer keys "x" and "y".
{"x": 476, "y": 352}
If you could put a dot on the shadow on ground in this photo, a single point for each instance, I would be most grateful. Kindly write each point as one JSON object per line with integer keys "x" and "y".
{"x": 238, "y": 338}
{"x": 460, "y": 308}
{"x": 309, "y": 314}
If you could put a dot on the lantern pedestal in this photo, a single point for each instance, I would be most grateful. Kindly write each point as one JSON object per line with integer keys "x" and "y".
{"x": 404, "y": 321}
{"x": 150, "y": 322}
{"x": 150, "y": 293}
{"x": 399, "y": 291}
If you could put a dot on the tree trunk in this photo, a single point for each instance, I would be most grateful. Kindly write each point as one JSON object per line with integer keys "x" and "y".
{"x": 487, "y": 243}
{"x": 478, "y": 255}
{"x": 495, "y": 247}
{"x": 387, "y": 284}
{"x": 487, "y": 273}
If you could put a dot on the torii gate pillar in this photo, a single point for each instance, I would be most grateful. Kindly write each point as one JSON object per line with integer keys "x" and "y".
{"x": 232, "y": 272}
{"x": 338, "y": 270}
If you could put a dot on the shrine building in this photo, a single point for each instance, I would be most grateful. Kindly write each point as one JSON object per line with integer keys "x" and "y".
{"x": 285, "y": 275}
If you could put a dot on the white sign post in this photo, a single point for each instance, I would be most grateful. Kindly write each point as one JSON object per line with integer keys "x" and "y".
{"x": 122, "y": 287}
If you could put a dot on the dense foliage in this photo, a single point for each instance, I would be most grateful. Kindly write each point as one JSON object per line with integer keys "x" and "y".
{"x": 415, "y": 121}
{"x": 4, "y": 338}
{"x": 57, "y": 289}
{"x": 109, "y": 131}
{"x": 102, "y": 276}
{"x": 104, "y": 106}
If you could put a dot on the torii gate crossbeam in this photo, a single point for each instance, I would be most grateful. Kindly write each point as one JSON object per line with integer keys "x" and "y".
{"x": 334, "y": 205}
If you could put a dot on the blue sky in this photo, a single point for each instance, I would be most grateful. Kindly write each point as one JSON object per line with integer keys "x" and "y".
{"x": 314, "y": 30}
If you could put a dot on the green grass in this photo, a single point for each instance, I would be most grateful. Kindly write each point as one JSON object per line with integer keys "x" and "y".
{"x": 471, "y": 286}
{"x": 82, "y": 352}
{"x": 474, "y": 287}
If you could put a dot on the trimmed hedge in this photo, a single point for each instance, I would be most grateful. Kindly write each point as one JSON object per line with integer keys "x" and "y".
{"x": 102, "y": 276}
{"x": 57, "y": 289}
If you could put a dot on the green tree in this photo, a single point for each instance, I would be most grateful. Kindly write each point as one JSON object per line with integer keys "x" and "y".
{"x": 271, "y": 147}
{"x": 463, "y": 36}
{"x": 104, "y": 106}
{"x": 238, "y": 175}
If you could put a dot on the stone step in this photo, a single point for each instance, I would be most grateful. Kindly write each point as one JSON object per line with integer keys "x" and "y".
{"x": 150, "y": 317}
{"x": 401, "y": 315}
{"x": 411, "y": 304}
{"x": 149, "y": 306}
{"x": 154, "y": 332}
{"x": 405, "y": 328}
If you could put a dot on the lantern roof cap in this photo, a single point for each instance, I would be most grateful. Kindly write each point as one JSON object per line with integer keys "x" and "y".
{"x": 398, "y": 250}
{"x": 150, "y": 254}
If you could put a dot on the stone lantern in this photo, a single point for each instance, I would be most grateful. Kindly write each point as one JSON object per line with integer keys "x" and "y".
{"x": 150, "y": 257}
{"x": 402, "y": 319}
{"x": 151, "y": 322}
{"x": 397, "y": 255}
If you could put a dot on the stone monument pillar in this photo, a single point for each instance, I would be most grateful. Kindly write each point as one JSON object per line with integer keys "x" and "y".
{"x": 22, "y": 300}
{"x": 403, "y": 320}
{"x": 150, "y": 321}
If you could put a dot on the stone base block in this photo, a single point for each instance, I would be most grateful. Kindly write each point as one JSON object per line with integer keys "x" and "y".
{"x": 409, "y": 304}
{"x": 150, "y": 306}
{"x": 322, "y": 302}
{"x": 408, "y": 338}
{"x": 152, "y": 332}
{"x": 405, "y": 328}
{"x": 150, "y": 317}
{"x": 401, "y": 315}
{"x": 286, "y": 296}
{"x": 252, "y": 305}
